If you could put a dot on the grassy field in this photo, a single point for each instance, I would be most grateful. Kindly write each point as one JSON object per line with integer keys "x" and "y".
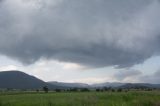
{"x": 132, "y": 98}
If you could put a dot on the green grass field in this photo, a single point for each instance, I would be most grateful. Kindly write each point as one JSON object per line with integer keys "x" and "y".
{"x": 132, "y": 98}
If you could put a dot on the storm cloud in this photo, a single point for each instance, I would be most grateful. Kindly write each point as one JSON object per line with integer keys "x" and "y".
{"x": 92, "y": 33}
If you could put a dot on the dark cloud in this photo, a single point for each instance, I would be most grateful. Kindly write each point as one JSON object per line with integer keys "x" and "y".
{"x": 89, "y": 32}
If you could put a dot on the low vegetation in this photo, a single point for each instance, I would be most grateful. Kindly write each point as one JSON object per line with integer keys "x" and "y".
{"x": 83, "y": 97}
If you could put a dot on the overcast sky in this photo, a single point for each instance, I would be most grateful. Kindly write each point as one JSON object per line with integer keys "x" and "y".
{"x": 87, "y": 41}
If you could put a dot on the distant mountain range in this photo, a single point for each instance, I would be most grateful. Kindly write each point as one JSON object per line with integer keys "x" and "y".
{"x": 108, "y": 84}
{"x": 69, "y": 85}
{"x": 139, "y": 85}
{"x": 21, "y": 80}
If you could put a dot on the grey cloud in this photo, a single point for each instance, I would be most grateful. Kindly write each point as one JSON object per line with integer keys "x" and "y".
{"x": 130, "y": 73}
{"x": 93, "y": 33}
{"x": 135, "y": 76}
{"x": 153, "y": 78}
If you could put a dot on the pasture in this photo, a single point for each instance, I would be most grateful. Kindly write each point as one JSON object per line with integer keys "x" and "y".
{"x": 131, "y": 98}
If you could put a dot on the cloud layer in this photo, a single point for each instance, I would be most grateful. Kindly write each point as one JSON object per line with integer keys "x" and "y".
{"x": 92, "y": 33}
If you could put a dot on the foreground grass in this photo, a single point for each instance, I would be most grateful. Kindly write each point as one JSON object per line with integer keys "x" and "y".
{"x": 138, "y": 98}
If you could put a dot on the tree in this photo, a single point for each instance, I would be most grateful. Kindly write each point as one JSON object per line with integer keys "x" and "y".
{"x": 97, "y": 89}
{"x": 107, "y": 88}
{"x": 74, "y": 89}
{"x": 119, "y": 90}
{"x": 37, "y": 90}
{"x": 45, "y": 88}
{"x": 84, "y": 90}
{"x": 58, "y": 90}
{"x": 113, "y": 90}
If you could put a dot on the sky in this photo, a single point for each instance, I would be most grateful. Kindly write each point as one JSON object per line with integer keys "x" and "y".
{"x": 88, "y": 41}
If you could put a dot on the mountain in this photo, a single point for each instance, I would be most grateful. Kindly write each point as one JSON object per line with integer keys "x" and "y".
{"x": 69, "y": 85}
{"x": 108, "y": 84}
{"x": 139, "y": 85}
{"x": 20, "y": 80}
{"x": 83, "y": 85}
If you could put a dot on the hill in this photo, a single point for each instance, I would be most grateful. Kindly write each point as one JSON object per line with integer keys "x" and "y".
{"x": 20, "y": 80}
